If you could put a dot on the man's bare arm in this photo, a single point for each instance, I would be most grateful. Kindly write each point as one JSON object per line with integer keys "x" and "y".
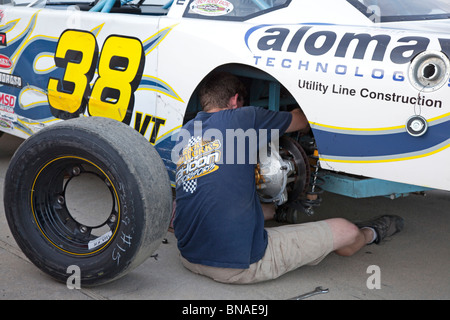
{"x": 299, "y": 122}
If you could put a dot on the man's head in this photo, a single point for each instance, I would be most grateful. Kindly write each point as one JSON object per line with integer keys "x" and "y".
{"x": 221, "y": 90}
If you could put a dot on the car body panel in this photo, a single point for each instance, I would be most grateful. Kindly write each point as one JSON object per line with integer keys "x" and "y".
{"x": 349, "y": 75}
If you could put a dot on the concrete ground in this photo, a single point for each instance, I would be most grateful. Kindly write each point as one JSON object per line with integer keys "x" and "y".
{"x": 414, "y": 264}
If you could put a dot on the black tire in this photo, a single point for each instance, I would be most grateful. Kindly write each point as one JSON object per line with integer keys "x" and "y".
{"x": 53, "y": 234}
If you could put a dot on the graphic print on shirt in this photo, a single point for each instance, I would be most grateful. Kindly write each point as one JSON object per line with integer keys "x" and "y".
{"x": 198, "y": 159}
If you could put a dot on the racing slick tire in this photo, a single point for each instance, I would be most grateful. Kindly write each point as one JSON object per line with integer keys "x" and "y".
{"x": 57, "y": 229}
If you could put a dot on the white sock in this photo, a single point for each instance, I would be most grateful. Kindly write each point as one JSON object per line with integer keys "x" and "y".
{"x": 374, "y": 234}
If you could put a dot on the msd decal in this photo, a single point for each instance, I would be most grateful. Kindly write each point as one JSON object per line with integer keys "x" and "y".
{"x": 7, "y": 100}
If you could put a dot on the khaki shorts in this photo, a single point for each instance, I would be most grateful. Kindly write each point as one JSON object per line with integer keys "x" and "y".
{"x": 289, "y": 247}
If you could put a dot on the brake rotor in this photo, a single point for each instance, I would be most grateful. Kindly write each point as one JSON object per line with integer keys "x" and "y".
{"x": 291, "y": 150}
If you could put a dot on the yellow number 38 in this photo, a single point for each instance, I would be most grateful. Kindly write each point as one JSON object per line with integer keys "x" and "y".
{"x": 120, "y": 68}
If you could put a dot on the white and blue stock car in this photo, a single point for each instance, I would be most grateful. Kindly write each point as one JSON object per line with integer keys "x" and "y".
{"x": 99, "y": 92}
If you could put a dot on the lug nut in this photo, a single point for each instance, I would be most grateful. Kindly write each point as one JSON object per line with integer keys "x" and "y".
{"x": 60, "y": 200}
{"x": 112, "y": 218}
{"x": 76, "y": 171}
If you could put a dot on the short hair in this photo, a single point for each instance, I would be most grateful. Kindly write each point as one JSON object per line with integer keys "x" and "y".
{"x": 217, "y": 89}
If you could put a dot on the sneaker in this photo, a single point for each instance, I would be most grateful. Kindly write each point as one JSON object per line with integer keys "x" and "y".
{"x": 384, "y": 226}
{"x": 286, "y": 214}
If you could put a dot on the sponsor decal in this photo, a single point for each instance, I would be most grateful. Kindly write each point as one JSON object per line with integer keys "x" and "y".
{"x": 342, "y": 90}
{"x": 5, "y": 63}
{"x": 320, "y": 50}
{"x": 211, "y": 7}
{"x": 7, "y": 100}
{"x": 7, "y": 115}
{"x": 6, "y": 124}
{"x": 10, "y": 80}
{"x": 314, "y": 42}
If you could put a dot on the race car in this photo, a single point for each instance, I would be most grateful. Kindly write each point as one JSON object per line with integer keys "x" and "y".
{"x": 100, "y": 91}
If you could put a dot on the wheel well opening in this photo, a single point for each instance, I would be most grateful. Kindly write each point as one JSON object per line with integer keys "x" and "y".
{"x": 263, "y": 90}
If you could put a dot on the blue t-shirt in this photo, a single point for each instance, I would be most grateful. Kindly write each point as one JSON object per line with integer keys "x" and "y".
{"x": 219, "y": 220}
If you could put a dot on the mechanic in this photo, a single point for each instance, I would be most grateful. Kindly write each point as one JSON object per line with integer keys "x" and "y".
{"x": 219, "y": 220}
